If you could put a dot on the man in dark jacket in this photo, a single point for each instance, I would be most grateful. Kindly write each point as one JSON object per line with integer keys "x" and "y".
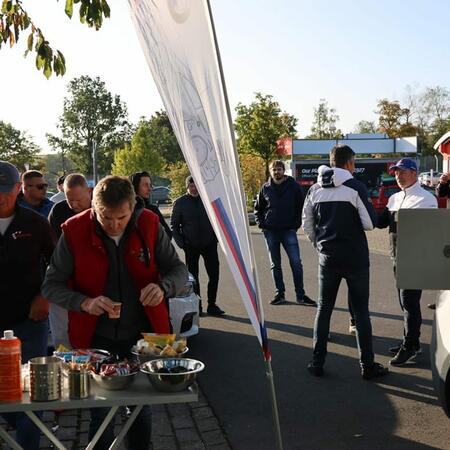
{"x": 443, "y": 188}
{"x": 142, "y": 184}
{"x": 34, "y": 189}
{"x": 278, "y": 211}
{"x": 134, "y": 264}
{"x": 26, "y": 241}
{"x": 193, "y": 233}
{"x": 335, "y": 215}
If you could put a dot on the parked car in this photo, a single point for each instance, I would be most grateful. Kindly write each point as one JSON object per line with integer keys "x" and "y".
{"x": 440, "y": 350}
{"x": 427, "y": 179}
{"x": 160, "y": 194}
{"x": 380, "y": 198}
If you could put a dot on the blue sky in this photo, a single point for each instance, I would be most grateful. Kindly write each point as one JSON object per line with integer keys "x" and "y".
{"x": 349, "y": 52}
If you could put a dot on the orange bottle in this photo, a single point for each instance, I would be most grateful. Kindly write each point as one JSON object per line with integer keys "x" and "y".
{"x": 10, "y": 368}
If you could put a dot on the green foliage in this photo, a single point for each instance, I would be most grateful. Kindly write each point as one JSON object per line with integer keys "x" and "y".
{"x": 177, "y": 173}
{"x": 365, "y": 126}
{"x": 324, "y": 124}
{"x": 92, "y": 115}
{"x": 259, "y": 126}
{"x": 14, "y": 19}
{"x": 253, "y": 176}
{"x": 142, "y": 154}
{"x": 16, "y": 147}
{"x": 394, "y": 120}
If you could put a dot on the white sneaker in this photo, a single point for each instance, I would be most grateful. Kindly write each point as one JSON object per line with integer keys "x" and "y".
{"x": 352, "y": 329}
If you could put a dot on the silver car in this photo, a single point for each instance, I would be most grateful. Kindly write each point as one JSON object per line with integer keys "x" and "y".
{"x": 440, "y": 350}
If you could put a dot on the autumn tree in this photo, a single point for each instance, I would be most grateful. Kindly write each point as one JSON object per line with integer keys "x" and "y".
{"x": 394, "y": 120}
{"x": 17, "y": 147}
{"x": 259, "y": 126}
{"x": 324, "y": 123}
{"x": 92, "y": 116}
{"x": 14, "y": 20}
{"x": 177, "y": 173}
{"x": 253, "y": 175}
{"x": 142, "y": 154}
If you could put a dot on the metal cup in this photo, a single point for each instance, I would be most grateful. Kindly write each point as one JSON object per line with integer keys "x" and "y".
{"x": 79, "y": 383}
{"x": 45, "y": 378}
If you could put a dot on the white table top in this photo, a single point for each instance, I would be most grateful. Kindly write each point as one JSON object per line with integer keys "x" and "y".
{"x": 140, "y": 392}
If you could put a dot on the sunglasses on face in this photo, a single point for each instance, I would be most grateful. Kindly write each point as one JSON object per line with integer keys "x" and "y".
{"x": 39, "y": 186}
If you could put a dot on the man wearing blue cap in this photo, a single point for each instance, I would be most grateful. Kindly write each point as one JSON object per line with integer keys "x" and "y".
{"x": 411, "y": 196}
{"x": 26, "y": 239}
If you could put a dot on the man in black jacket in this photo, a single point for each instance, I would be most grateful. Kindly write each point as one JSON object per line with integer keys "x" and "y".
{"x": 443, "y": 188}
{"x": 26, "y": 240}
{"x": 193, "y": 233}
{"x": 278, "y": 211}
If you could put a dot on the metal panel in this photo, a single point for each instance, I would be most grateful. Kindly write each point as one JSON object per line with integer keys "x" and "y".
{"x": 423, "y": 249}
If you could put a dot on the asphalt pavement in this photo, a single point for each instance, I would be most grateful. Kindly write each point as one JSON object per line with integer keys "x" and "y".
{"x": 339, "y": 410}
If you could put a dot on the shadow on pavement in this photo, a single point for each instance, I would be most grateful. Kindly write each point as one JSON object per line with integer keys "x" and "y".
{"x": 338, "y": 411}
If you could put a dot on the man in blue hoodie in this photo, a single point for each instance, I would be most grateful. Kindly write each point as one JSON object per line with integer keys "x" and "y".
{"x": 278, "y": 211}
{"x": 335, "y": 214}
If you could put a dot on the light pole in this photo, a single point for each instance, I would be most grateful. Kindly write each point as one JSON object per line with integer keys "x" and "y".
{"x": 94, "y": 162}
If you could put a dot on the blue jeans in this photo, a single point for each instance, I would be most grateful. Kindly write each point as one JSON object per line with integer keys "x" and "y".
{"x": 358, "y": 286}
{"x": 138, "y": 436}
{"x": 288, "y": 239}
{"x": 34, "y": 338}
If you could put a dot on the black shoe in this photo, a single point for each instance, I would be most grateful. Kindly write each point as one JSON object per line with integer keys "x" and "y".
{"x": 403, "y": 356}
{"x": 431, "y": 306}
{"x": 278, "y": 299}
{"x": 315, "y": 368}
{"x": 306, "y": 301}
{"x": 374, "y": 371}
{"x": 394, "y": 350}
{"x": 214, "y": 310}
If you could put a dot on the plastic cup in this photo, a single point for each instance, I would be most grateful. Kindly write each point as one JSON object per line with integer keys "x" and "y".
{"x": 117, "y": 307}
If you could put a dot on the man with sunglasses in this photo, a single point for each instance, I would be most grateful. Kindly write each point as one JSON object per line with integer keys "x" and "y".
{"x": 26, "y": 240}
{"x": 34, "y": 188}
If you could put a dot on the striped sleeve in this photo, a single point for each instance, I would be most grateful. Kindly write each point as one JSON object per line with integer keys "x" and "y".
{"x": 365, "y": 209}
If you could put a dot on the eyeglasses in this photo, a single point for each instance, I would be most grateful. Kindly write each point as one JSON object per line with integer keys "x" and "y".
{"x": 39, "y": 186}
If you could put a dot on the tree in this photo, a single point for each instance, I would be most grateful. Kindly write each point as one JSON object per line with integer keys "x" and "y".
{"x": 177, "y": 173}
{"x": 17, "y": 147}
{"x": 324, "y": 123}
{"x": 14, "y": 19}
{"x": 142, "y": 154}
{"x": 259, "y": 126}
{"x": 365, "y": 127}
{"x": 394, "y": 120}
{"x": 92, "y": 116}
{"x": 253, "y": 175}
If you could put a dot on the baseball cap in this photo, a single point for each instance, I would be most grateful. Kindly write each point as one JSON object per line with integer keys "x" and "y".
{"x": 9, "y": 176}
{"x": 405, "y": 164}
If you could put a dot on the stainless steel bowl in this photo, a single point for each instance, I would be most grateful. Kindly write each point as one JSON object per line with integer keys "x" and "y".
{"x": 144, "y": 357}
{"x": 114, "y": 382}
{"x": 172, "y": 382}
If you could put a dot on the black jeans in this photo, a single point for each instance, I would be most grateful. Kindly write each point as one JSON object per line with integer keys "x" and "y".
{"x": 358, "y": 286}
{"x": 211, "y": 261}
{"x": 412, "y": 315}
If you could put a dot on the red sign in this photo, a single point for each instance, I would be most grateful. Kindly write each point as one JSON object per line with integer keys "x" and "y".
{"x": 284, "y": 147}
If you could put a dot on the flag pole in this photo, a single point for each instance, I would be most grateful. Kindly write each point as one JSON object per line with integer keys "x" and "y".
{"x": 267, "y": 360}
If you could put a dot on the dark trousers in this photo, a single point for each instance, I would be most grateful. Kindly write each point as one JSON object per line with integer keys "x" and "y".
{"x": 358, "y": 286}
{"x": 287, "y": 239}
{"x": 139, "y": 434}
{"x": 211, "y": 261}
{"x": 412, "y": 315}
{"x": 34, "y": 337}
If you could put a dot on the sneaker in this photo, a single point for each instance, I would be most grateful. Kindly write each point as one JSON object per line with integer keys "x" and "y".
{"x": 214, "y": 310}
{"x": 403, "y": 356}
{"x": 394, "y": 350}
{"x": 374, "y": 371}
{"x": 278, "y": 299}
{"x": 315, "y": 368}
{"x": 306, "y": 301}
{"x": 352, "y": 329}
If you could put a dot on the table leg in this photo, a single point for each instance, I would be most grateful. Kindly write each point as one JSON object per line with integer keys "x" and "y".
{"x": 9, "y": 440}
{"x": 38, "y": 422}
{"x": 102, "y": 428}
{"x": 118, "y": 440}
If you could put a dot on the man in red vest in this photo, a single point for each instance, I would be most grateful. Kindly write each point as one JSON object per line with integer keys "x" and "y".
{"x": 115, "y": 253}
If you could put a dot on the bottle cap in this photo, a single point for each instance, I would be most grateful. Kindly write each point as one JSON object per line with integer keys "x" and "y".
{"x": 8, "y": 334}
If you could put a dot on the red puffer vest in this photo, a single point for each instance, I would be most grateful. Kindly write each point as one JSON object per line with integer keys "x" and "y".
{"x": 91, "y": 270}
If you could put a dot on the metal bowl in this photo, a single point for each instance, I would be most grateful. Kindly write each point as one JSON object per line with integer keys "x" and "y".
{"x": 144, "y": 357}
{"x": 114, "y": 382}
{"x": 172, "y": 382}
